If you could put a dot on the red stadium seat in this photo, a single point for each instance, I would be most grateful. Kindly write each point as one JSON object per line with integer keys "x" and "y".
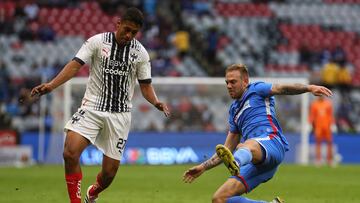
{"x": 243, "y": 9}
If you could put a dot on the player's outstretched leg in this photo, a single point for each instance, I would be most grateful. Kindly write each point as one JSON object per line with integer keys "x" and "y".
{"x": 236, "y": 199}
{"x": 103, "y": 179}
{"x": 227, "y": 157}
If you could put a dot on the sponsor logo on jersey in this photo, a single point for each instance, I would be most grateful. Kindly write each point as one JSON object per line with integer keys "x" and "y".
{"x": 116, "y": 72}
{"x": 117, "y": 63}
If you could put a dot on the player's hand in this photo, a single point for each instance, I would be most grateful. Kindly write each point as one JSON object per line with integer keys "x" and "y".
{"x": 41, "y": 89}
{"x": 163, "y": 107}
{"x": 320, "y": 91}
{"x": 194, "y": 172}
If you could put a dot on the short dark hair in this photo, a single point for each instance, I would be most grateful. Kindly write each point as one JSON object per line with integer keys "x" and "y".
{"x": 239, "y": 67}
{"x": 134, "y": 15}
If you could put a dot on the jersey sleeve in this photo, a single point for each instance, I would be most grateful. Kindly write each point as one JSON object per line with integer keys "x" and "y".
{"x": 87, "y": 50}
{"x": 232, "y": 125}
{"x": 263, "y": 89}
{"x": 143, "y": 69}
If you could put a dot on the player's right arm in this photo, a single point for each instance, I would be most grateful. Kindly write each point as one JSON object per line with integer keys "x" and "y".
{"x": 83, "y": 56}
{"x": 191, "y": 174}
{"x": 68, "y": 72}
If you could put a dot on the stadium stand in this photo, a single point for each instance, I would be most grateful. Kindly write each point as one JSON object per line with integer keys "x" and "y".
{"x": 272, "y": 35}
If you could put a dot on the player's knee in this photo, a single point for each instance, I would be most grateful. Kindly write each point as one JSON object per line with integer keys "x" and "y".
{"x": 216, "y": 198}
{"x": 251, "y": 145}
{"x": 255, "y": 149}
{"x": 240, "y": 145}
{"x": 70, "y": 155}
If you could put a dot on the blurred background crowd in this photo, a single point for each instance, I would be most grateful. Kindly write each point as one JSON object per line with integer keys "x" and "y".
{"x": 316, "y": 39}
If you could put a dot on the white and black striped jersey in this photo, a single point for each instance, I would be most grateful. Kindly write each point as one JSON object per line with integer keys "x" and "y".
{"x": 113, "y": 71}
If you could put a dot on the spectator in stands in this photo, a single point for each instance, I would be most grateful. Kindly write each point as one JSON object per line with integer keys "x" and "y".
{"x": 202, "y": 7}
{"x": 181, "y": 42}
{"x": 329, "y": 73}
{"x": 306, "y": 55}
{"x": 160, "y": 65}
{"x": 31, "y": 9}
{"x": 338, "y": 54}
{"x": 5, "y": 120}
{"x": 19, "y": 9}
{"x": 223, "y": 41}
{"x": 47, "y": 71}
{"x": 212, "y": 43}
{"x": 343, "y": 77}
{"x": 4, "y": 82}
{"x": 207, "y": 118}
{"x": 35, "y": 73}
{"x": 150, "y": 7}
{"x": 151, "y": 36}
{"x": 321, "y": 118}
{"x": 325, "y": 56}
{"x": 12, "y": 107}
{"x": 26, "y": 33}
{"x": 343, "y": 120}
{"x": 7, "y": 10}
{"x": 46, "y": 33}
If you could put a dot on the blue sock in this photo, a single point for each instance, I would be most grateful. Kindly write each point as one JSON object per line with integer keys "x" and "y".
{"x": 240, "y": 199}
{"x": 243, "y": 156}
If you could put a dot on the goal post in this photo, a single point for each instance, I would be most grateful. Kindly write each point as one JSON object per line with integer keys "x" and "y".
{"x": 215, "y": 89}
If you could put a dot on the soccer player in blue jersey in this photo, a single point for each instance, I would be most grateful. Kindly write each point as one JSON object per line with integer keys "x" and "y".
{"x": 255, "y": 145}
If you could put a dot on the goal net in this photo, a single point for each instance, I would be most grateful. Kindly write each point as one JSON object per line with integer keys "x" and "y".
{"x": 197, "y": 104}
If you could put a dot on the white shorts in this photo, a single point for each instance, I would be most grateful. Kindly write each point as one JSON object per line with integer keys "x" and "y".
{"x": 107, "y": 131}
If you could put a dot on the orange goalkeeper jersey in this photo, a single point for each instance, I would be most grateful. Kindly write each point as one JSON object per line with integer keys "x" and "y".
{"x": 321, "y": 113}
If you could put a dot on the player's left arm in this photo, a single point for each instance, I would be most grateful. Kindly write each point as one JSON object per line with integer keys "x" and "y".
{"x": 143, "y": 72}
{"x": 149, "y": 94}
{"x": 294, "y": 89}
{"x": 194, "y": 172}
{"x": 68, "y": 72}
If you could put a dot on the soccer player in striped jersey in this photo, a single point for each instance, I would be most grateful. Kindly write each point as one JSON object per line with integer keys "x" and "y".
{"x": 255, "y": 145}
{"x": 116, "y": 61}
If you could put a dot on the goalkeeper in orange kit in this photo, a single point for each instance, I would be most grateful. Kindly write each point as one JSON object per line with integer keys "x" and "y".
{"x": 321, "y": 117}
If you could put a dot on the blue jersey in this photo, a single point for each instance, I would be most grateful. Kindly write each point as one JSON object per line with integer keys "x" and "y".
{"x": 253, "y": 116}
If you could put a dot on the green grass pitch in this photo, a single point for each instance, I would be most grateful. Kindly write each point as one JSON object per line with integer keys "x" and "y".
{"x": 163, "y": 184}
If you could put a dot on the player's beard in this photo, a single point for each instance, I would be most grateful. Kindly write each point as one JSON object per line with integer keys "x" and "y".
{"x": 232, "y": 94}
{"x": 236, "y": 93}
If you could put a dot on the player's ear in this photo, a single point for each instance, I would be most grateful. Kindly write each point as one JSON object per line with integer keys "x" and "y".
{"x": 245, "y": 79}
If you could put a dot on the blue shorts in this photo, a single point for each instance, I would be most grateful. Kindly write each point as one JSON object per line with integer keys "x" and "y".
{"x": 252, "y": 175}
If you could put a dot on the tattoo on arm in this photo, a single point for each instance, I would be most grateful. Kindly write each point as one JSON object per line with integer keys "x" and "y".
{"x": 290, "y": 89}
{"x": 212, "y": 162}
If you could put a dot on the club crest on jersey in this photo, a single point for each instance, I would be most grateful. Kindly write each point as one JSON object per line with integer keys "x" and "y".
{"x": 133, "y": 57}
